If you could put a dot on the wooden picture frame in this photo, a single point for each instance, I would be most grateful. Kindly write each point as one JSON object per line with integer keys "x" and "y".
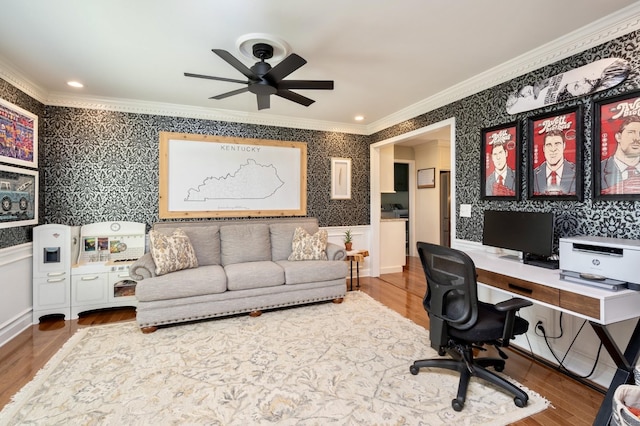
{"x": 18, "y": 197}
{"x": 555, "y": 140}
{"x": 340, "y": 178}
{"x": 205, "y": 176}
{"x": 427, "y": 178}
{"x": 501, "y": 162}
{"x": 18, "y": 135}
{"x": 616, "y": 150}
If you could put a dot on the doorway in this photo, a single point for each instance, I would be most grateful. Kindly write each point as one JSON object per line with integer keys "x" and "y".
{"x": 443, "y": 130}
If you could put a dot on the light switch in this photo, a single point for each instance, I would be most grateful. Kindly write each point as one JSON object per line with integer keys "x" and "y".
{"x": 465, "y": 210}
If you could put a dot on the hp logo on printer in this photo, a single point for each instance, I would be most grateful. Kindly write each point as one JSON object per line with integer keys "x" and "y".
{"x": 595, "y": 262}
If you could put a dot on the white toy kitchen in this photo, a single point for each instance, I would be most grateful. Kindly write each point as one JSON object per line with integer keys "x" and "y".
{"x": 78, "y": 269}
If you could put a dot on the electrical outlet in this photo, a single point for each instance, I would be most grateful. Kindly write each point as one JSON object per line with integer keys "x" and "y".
{"x": 547, "y": 318}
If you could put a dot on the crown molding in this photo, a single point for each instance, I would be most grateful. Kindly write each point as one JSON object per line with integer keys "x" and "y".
{"x": 178, "y": 110}
{"x": 608, "y": 28}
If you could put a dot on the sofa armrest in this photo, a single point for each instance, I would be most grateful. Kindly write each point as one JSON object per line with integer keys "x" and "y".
{"x": 143, "y": 268}
{"x": 335, "y": 252}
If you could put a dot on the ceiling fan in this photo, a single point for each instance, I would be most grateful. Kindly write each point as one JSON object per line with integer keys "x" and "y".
{"x": 264, "y": 80}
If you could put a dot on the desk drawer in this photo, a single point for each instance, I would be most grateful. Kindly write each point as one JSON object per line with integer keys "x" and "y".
{"x": 528, "y": 289}
{"x": 579, "y": 303}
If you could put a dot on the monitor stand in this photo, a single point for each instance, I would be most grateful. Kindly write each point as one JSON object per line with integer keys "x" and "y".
{"x": 511, "y": 257}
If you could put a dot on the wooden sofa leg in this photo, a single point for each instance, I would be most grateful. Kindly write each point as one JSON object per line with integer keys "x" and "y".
{"x": 338, "y": 300}
{"x": 147, "y": 330}
{"x": 254, "y": 314}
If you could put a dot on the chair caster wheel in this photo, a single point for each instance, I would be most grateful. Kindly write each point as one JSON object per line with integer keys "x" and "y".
{"x": 499, "y": 367}
{"x": 457, "y": 404}
{"x": 520, "y": 402}
{"x": 414, "y": 370}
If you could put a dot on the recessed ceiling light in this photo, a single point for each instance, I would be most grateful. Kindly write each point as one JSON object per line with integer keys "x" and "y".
{"x": 75, "y": 84}
{"x": 358, "y": 117}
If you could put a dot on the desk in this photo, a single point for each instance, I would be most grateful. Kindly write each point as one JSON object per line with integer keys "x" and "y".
{"x": 600, "y": 307}
{"x": 355, "y": 256}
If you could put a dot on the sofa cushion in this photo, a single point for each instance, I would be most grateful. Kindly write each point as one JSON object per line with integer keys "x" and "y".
{"x": 309, "y": 247}
{"x": 282, "y": 237}
{"x": 206, "y": 243}
{"x": 245, "y": 243}
{"x": 243, "y": 276}
{"x": 172, "y": 253}
{"x": 187, "y": 283}
{"x": 313, "y": 271}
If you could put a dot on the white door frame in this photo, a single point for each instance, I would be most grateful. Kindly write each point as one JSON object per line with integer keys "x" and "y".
{"x": 375, "y": 198}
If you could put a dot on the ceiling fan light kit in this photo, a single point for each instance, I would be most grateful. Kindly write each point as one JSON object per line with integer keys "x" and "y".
{"x": 265, "y": 80}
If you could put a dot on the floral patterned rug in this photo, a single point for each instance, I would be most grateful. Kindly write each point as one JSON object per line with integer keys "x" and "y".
{"x": 342, "y": 364}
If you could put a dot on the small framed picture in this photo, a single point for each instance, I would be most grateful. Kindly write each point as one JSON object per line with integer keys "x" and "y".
{"x": 501, "y": 159}
{"x": 341, "y": 178}
{"x": 616, "y": 147}
{"x": 427, "y": 178}
{"x": 555, "y": 155}
{"x": 18, "y": 197}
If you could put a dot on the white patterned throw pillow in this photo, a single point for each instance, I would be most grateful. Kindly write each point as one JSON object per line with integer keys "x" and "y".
{"x": 309, "y": 247}
{"x": 172, "y": 253}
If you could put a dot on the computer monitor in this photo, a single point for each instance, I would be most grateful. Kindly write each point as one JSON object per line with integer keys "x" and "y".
{"x": 528, "y": 232}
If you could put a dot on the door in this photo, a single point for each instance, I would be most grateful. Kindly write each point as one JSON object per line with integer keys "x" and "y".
{"x": 445, "y": 208}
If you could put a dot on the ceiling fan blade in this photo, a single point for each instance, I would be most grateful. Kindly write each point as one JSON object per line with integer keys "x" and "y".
{"x": 231, "y": 93}
{"x": 231, "y": 60}
{"x": 284, "y": 68}
{"x": 231, "y": 80}
{"x": 264, "y": 102}
{"x": 303, "y": 100}
{"x": 306, "y": 84}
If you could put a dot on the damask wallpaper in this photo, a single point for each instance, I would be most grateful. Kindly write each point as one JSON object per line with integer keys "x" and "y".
{"x": 102, "y": 166}
{"x": 617, "y": 219}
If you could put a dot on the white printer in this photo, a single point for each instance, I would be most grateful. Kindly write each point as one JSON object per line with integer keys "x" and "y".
{"x": 611, "y": 263}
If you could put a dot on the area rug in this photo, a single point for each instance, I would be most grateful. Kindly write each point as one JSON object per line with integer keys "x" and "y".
{"x": 342, "y": 364}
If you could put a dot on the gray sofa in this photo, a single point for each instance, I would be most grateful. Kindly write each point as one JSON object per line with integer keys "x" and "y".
{"x": 242, "y": 267}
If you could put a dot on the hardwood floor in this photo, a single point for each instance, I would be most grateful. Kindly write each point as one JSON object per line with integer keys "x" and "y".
{"x": 572, "y": 402}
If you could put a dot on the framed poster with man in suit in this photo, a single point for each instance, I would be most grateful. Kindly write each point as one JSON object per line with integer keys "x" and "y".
{"x": 555, "y": 155}
{"x": 501, "y": 162}
{"x": 616, "y": 147}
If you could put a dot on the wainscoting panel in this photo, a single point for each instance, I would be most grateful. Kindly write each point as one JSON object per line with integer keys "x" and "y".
{"x": 16, "y": 290}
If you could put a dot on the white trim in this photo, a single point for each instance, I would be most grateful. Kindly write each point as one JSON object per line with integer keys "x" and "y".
{"x": 12, "y": 328}
{"x": 15, "y": 253}
{"x": 608, "y": 28}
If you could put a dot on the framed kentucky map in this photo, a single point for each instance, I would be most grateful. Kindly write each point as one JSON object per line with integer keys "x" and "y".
{"x": 217, "y": 176}
{"x": 18, "y": 135}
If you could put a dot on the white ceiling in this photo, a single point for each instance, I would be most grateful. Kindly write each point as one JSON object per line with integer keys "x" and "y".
{"x": 384, "y": 56}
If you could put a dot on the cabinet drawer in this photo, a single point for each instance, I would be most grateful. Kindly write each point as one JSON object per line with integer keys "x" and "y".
{"x": 528, "y": 289}
{"x": 579, "y": 303}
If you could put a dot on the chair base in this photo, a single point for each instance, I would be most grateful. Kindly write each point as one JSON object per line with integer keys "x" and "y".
{"x": 479, "y": 370}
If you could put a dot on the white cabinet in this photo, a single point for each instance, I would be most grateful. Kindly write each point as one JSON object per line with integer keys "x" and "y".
{"x": 100, "y": 290}
{"x": 392, "y": 245}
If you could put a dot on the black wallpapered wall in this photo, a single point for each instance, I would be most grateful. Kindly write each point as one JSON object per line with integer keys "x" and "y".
{"x": 617, "y": 219}
{"x": 102, "y": 166}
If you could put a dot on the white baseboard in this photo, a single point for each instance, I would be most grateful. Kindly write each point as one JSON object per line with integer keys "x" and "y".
{"x": 12, "y": 328}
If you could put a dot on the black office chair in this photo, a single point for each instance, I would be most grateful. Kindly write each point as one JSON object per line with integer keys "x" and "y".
{"x": 459, "y": 323}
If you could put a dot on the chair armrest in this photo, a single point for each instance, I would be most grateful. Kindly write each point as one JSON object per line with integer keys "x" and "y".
{"x": 143, "y": 268}
{"x": 335, "y": 252}
{"x": 512, "y": 304}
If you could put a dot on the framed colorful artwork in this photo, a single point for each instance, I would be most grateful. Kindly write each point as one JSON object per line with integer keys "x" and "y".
{"x": 555, "y": 155}
{"x": 18, "y": 135}
{"x": 616, "y": 147}
{"x": 501, "y": 160}
{"x": 18, "y": 197}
